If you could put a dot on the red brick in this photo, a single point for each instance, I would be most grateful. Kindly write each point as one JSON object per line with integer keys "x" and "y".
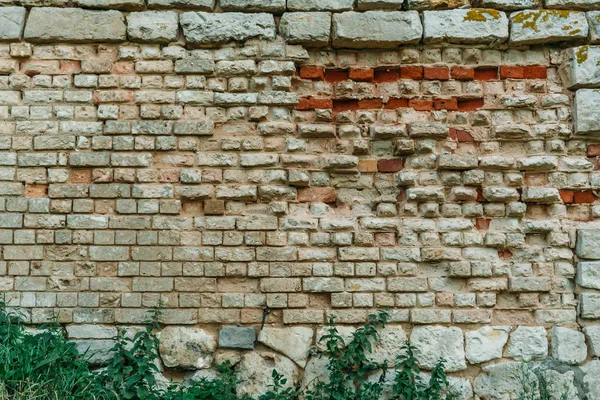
{"x": 421, "y": 104}
{"x": 395, "y": 102}
{"x": 36, "y": 190}
{"x": 480, "y": 197}
{"x": 367, "y": 165}
{"x": 345, "y": 105}
{"x": 335, "y": 75}
{"x": 437, "y": 73}
{"x": 445, "y": 104}
{"x": 535, "y": 72}
{"x": 482, "y": 224}
{"x": 593, "y": 150}
{"x": 411, "y": 72}
{"x": 390, "y": 165}
{"x": 70, "y": 67}
{"x": 303, "y": 104}
{"x": 385, "y": 239}
{"x": 317, "y": 195}
{"x": 124, "y": 67}
{"x": 486, "y": 73}
{"x": 361, "y": 74}
{"x": 511, "y": 72}
{"x": 81, "y": 176}
{"x": 469, "y": 104}
{"x": 584, "y": 197}
{"x": 370, "y": 103}
{"x": 595, "y": 161}
{"x": 460, "y": 135}
{"x": 462, "y": 73}
{"x": 385, "y": 75}
{"x": 311, "y": 72}
{"x": 505, "y": 254}
{"x": 567, "y": 196}
{"x": 320, "y": 103}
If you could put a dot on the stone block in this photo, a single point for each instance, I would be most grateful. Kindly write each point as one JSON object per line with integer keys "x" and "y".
{"x": 547, "y": 26}
{"x": 588, "y": 244}
{"x": 573, "y": 4}
{"x": 476, "y": 25}
{"x": 377, "y": 29}
{"x": 589, "y": 305}
{"x": 50, "y": 24}
{"x": 293, "y": 342}
{"x": 187, "y": 347}
{"x": 308, "y": 28}
{"x": 528, "y": 343}
{"x": 235, "y": 337}
{"x": 568, "y": 346}
{"x": 128, "y": 5}
{"x": 202, "y": 5}
{"x": 510, "y": 4}
{"x": 253, "y": 5}
{"x": 153, "y": 26}
{"x": 486, "y": 343}
{"x": 211, "y": 29}
{"x": 320, "y": 5}
{"x": 12, "y": 20}
{"x": 580, "y": 67}
{"x": 434, "y": 342}
{"x": 588, "y": 274}
{"x": 586, "y": 112}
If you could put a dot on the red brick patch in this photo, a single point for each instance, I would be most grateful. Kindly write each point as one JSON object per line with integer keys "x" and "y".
{"x": 462, "y": 73}
{"x": 535, "y": 72}
{"x": 335, "y": 76}
{"x": 344, "y": 105}
{"x": 385, "y": 75}
{"x": 421, "y": 104}
{"x": 445, "y": 104}
{"x": 511, "y": 72}
{"x": 396, "y": 102}
{"x": 361, "y": 74}
{"x": 411, "y": 72}
{"x": 469, "y": 104}
{"x": 36, "y": 190}
{"x": 567, "y": 196}
{"x": 311, "y": 72}
{"x": 317, "y": 195}
{"x": 390, "y": 165}
{"x": 370, "y": 103}
{"x": 486, "y": 73}
{"x": 584, "y": 197}
{"x": 436, "y": 73}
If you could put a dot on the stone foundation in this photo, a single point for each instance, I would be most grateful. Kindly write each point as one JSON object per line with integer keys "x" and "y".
{"x": 261, "y": 162}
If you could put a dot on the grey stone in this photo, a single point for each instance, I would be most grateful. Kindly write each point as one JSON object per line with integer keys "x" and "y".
{"x": 379, "y": 4}
{"x": 503, "y": 381}
{"x": 320, "y": 5}
{"x": 528, "y": 343}
{"x": 476, "y": 25}
{"x": 543, "y": 195}
{"x": 208, "y": 28}
{"x": 235, "y": 337}
{"x": 253, "y": 5}
{"x": 573, "y": 4}
{"x": 376, "y": 29}
{"x": 112, "y": 4}
{"x": 486, "y": 343}
{"x": 593, "y": 18}
{"x": 586, "y": 112}
{"x": 592, "y": 334}
{"x": 310, "y": 28}
{"x": 12, "y": 20}
{"x": 580, "y": 68}
{"x": 510, "y": 4}
{"x": 568, "y": 345}
{"x": 254, "y": 373}
{"x": 588, "y": 274}
{"x": 591, "y": 379}
{"x": 589, "y": 305}
{"x": 91, "y": 331}
{"x": 153, "y": 26}
{"x": 50, "y": 24}
{"x": 391, "y": 340}
{"x": 547, "y": 26}
{"x": 588, "y": 244}
{"x": 96, "y": 352}
{"x": 203, "y": 5}
{"x": 560, "y": 386}
{"x": 187, "y": 347}
{"x": 434, "y": 342}
{"x": 293, "y": 342}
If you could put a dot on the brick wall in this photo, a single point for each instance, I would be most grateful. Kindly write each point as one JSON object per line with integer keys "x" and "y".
{"x": 305, "y": 160}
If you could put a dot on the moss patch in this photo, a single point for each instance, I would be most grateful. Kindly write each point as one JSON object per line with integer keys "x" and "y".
{"x": 481, "y": 14}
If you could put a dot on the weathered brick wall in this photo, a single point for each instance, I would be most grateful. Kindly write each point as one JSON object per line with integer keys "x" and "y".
{"x": 257, "y": 159}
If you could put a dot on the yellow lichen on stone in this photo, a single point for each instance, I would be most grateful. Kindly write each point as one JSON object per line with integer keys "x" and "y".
{"x": 581, "y": 55}
{"x": 481, "y": 14}
{"x": 529, "y": 19}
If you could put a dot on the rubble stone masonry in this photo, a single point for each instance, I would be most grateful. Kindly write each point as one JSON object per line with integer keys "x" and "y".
{"x": 250, "y": 161}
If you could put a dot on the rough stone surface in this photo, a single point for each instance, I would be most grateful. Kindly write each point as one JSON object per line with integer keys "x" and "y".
{"x": 320, "y": 5}
{"x": 528, "y": 343}
{"x": 486, "y": 343}
{"x": 573, "y": 4}
{"x": 502, "y": 381}
{"x": 391, "y": 339}
{"x": 292, "y": 342}
{"x": 311, "y": 28}
{"x": 568, "y": 346}
{"x": 477, "y": 25}
{"x": 547, "y": 26}
{"x": 588, "y": 244}
{"x": 153, "y": 26}
{"x": 579, "y": 68}
{"x": 591, "y": 379}
{"x": 588, "y": 274}
{"x": 434, "y": 342}
{"x": 187, "y": 348}
{"x": 253, "y": 5}
{"x": 74, "y": 25}
{"x": 592, "y": 334}
{"x": 376, "y": 29}
{"x": 254, "y": 375}
{"x": 585, "y": 114}
{"x": 12, "y": 20}
{"x": 96, "y": 352}
{"x": 207, "y": 28}
{"x": 202, "y": 5}
{"x": 237, "y": 337}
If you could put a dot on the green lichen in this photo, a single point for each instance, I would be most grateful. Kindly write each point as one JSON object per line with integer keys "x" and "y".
{"x": 581, "y": 55}
{"x": 530, "y": 19}
{"x": 481, "y": 14}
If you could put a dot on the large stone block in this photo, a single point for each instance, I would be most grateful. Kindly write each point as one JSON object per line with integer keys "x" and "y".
{"x": 510, "y": 4}
{"x": 477, "y": 25}
{"x": 128, "y": 5}
{"x": 293, "y": 342}
{"x": 153, "y": 26}
{"x": 588, "y": 274}
{"x": 568, "y": 345}
{"x": 435, "y": 342}
{"x": 580, "y": 68}
{"x": 588, "y": 244}
{"x": 50, "y": 24}
{"x": 547, "y": 26}
{"x": 320, "y": 5}
{"x": 208, "y": 28}
{"x": 486, "y": 343}
{"x": 503, "y": 381}
{"x": 573, "y": 4}
{"x": 586, "y": 112}
{"x": 186, "y": 347}
{"x": 236, "y": 337}
{"x": 528, "y": 343}
{"x": 593, "y": 18}
{"x": 309, "y": 28}
{"x": 12, "y": 20}
{"x": 253, "y": 5}
{"x": 376, "y": 29}
{"x": 202, "y": 5}
{"x": 589, "y": 305}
